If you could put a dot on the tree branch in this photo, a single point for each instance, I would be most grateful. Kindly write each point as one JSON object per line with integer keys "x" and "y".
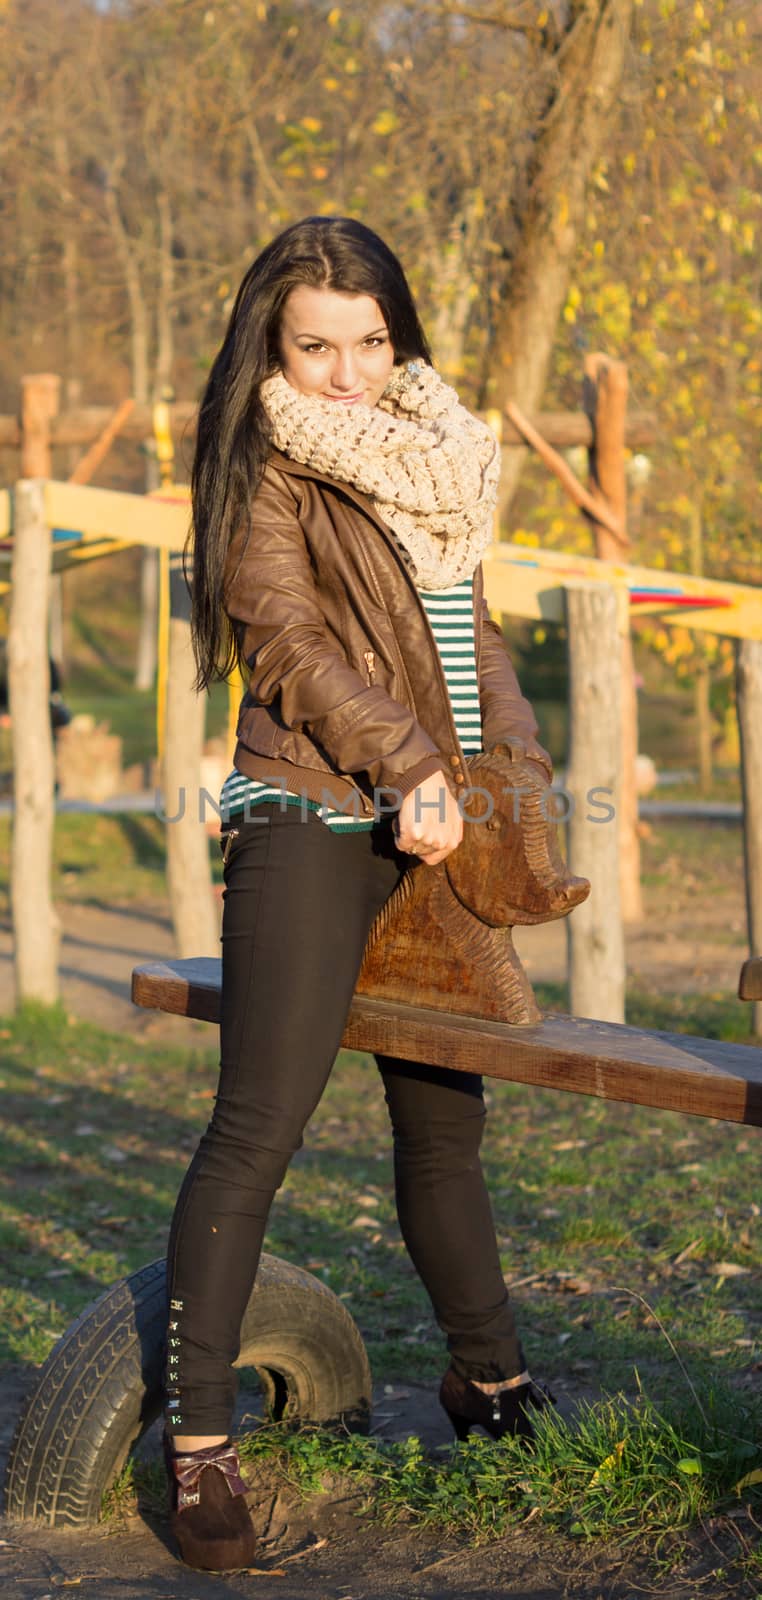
{"x": 512, "y": 22}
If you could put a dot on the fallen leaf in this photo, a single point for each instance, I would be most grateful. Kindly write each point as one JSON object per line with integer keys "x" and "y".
{"x": 688, "y": 1251}
{"x": 748, "y": 1480}
{"x": 612, "y": 1461}
{"x": 318, "y": 1544}
{"x": 729, "y": 1269}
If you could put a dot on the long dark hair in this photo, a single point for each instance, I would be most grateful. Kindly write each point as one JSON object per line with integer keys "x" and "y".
{"x": 233, "y": 441}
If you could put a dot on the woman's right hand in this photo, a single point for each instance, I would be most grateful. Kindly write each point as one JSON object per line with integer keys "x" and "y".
{"x": 428, "y": 823}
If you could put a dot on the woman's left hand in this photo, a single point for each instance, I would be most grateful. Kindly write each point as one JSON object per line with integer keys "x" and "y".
{"x": 429, "y": 823}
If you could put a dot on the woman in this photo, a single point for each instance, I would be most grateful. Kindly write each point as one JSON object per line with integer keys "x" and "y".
{"x": 342, "y": 498}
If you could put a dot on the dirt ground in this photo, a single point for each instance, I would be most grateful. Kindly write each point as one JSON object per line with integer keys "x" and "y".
{"x": 320, "y": 1549}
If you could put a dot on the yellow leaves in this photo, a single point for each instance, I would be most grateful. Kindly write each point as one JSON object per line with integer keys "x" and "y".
{"x": 320, "y": 172}
{"x": 351, "y": 65}
{"x": 385, "y": 123}
{"x": 607, "y": 1467}
{"x": 727, "y": 222}
{"x": 572, "y": 301}
{"x": 698, "y": 11}
{"x": 599, "y": 249}
{"x": 755, "y": 1476}
{"x": 380, "y": 170}
{"x": 331, "y": 84}
{"x": 333, "y": 16}
{"x": 311, "y": 124}
{"x": 562, "y": 211}
{"x": 542, "y": 19}
{"x": 629, "y": 163}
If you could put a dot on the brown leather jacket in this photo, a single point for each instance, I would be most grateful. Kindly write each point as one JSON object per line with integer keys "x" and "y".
{"x": 347, "y": 694}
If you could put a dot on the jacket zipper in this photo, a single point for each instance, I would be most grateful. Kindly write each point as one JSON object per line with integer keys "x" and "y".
{"x": 347, "y": 489}
{"x": 429, "y": 630}
{"x": 369, "y": 657}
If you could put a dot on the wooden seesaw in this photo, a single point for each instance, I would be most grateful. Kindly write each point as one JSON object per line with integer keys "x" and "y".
{"x": 440, "y": 983}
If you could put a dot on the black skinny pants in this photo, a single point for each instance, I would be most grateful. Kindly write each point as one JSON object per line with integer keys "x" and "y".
{"x": 298, "y": 905}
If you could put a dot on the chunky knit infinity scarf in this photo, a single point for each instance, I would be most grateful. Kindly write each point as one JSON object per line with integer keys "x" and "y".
{"x": 430, "y": 468}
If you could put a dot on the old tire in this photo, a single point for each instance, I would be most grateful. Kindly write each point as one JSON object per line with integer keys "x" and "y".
{"x": 100, "y": 1387}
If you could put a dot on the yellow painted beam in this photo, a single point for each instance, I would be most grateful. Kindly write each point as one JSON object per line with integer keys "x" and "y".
{"x": 159, "y": 520}
{"x": 529, "y": 582}
{"x": 520, "y": 580}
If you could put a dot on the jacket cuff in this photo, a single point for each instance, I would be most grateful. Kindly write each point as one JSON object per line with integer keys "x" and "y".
{"x": 406, "y": 782}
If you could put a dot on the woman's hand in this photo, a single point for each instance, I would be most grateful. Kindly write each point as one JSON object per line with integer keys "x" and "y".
{"x": 428, "y": 823}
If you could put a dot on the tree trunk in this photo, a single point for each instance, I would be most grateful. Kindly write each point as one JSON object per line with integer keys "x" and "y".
{"x": 595, "y": 938}
{"x": 165, "y": 353}
{"x": 139, "y": 319}
{"x": 749, "y": 702}
{"x": 35, "y": 922}
{"x": 589, "y": 71}
{"x": 145, "y": 664}
{"x": 453, "y": 274}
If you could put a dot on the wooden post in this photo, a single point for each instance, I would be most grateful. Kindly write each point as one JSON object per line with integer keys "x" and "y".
{"x": 605, "y": 400}
{"x": 40, "y": 393}
{"x": 35, "y": 922}
{"x": 703, "y": 684}
{"x": 194, "y": 913}
{"x": 595, "y": 937}
{"x": 40, "y": 398}
{"x": 749, "y": 703}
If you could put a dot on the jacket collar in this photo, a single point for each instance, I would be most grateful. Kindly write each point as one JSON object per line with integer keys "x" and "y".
{"x": 299, "y": 469}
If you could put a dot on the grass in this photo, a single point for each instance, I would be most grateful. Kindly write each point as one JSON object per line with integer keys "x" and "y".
{"x": 624, "y": 1470}
{"x": 630, "y": 1239}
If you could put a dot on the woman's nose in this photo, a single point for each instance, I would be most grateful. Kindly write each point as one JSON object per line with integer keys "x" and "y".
{"x": 344, "y": 374}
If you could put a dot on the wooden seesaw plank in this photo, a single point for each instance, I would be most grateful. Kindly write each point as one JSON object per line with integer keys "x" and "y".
{"x": 669, "y": 1071}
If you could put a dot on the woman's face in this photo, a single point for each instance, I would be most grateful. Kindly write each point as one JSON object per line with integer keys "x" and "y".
{"x": 335, "y": 345}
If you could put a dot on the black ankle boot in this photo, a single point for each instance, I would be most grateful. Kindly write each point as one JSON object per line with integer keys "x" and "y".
{"x": 505, "y": 1412}
{"x": 208, "y": 1512}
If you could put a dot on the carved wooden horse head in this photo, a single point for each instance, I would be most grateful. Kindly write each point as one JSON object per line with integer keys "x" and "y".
{"x": 443, "y": 939}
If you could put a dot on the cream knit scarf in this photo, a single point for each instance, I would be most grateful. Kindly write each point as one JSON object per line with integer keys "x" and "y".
{"x": 430, "y": 468}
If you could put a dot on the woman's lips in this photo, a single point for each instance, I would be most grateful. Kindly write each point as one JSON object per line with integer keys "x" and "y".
{"x": 343, "y": 399}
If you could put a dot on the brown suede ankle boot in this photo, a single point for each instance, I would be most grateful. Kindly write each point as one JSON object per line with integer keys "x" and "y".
{"x": 208, "y": 1512}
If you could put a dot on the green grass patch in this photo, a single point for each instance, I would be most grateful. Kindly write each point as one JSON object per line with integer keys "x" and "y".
{"x": 624, "y": 1469}
{"x": 107, "y": 859}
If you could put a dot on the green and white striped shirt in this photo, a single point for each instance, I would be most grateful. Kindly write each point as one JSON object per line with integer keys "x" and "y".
{"x": 451, "y": 614}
